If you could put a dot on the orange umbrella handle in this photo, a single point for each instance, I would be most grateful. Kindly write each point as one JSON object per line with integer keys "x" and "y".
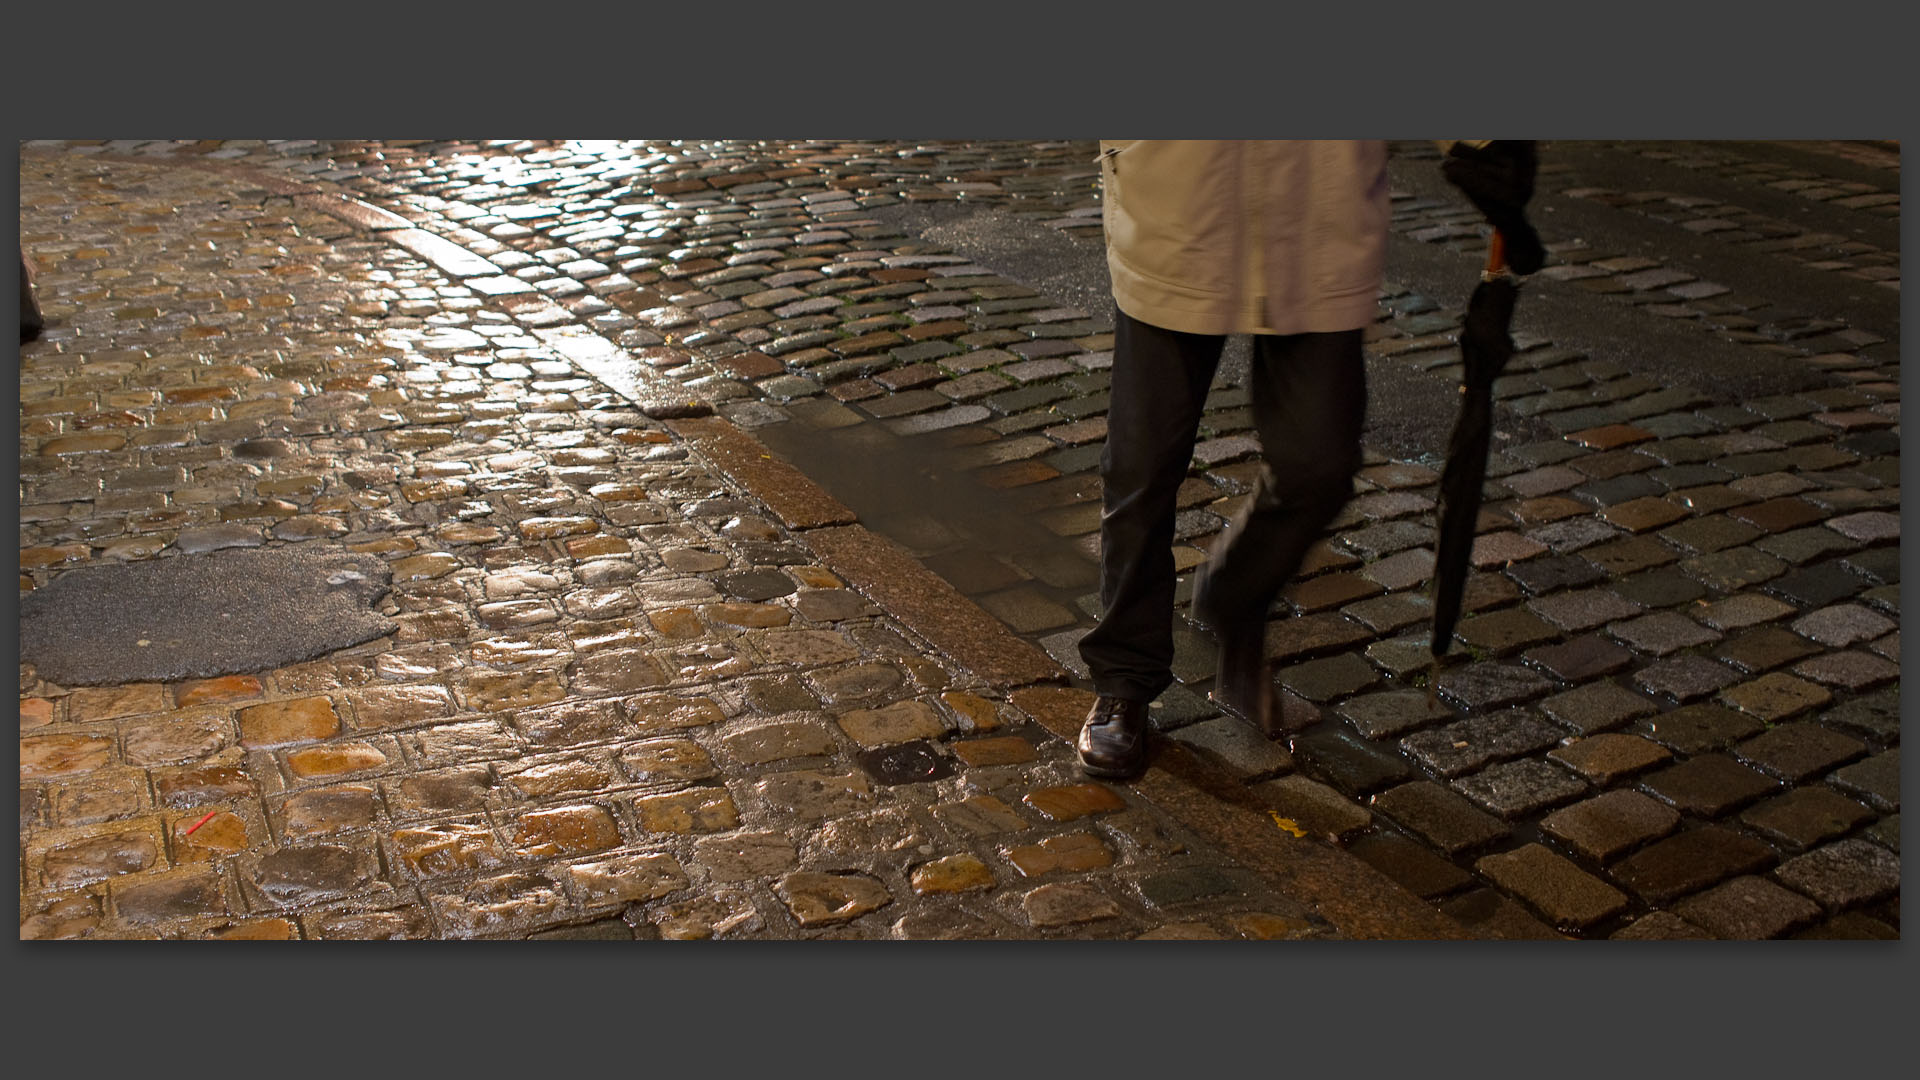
{"x": 1496, "y": 254}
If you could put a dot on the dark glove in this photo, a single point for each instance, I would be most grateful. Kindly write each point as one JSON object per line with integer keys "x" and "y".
{"x": 1498, "y": 179}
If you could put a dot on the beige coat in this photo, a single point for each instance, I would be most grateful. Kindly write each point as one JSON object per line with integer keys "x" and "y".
{"x": 1233, "y": 237}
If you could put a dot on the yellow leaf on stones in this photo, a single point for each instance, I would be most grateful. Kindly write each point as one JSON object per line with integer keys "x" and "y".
{"x": 1287, "y": 823}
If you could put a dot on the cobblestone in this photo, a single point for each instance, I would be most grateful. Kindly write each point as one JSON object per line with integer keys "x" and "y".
{"x": 1611, "y": 824}
{"x": 1843, "y": 874}
{"x": 513, "y": 712}
{"x": 1748, "y": 908}
{"x": 1690, "y": 861}
{"x": 1554, "y": 886}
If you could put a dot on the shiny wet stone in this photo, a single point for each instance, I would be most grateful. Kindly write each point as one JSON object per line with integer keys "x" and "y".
{"x": 817, "y": 899}
{"x": 1843, "y": 625}
{"x": 1796, "y": 752}
{"x": 953, "y": 874}
{"x": 1691, "y": 861}
{"x": 1393, "y": 712}
{"x": 1748, "y": 909}
{"x": 1492, "y": 685}
{"x": 177, "y": 896}
{"x": 1806, "y": 816}
{"x": 309, "y": 873}
{"x": 1058, "y": 905}
{"x": 813, "y": 796}
{"x": 1874, "y": 715}
{"x": 1580, "y": 659}
{"x": 1466, "y": 745}
{"x": 1491, "y": 915}
{"x": 1605, "y": 758}
{"x": 1238, "y": 744}
{"x": 1568, "y": 896}
{"x": 1411, "y": 865}
{"x": 1597, "y": 706}
{"x": 1353, "y": 765}
{"x": 744, "y": 856}
{"x": 1072, "y": 801}
{"x": 1078, "y": 851}
{"x": 1846, "y": 873}
{"x": 1685, "y": 678}
{"x": 202, "y": 616}
{"x": 757, "y": 585}
{"x": 1611, "y": 824}
{"x": 1517, "y": 789}
{"x": 1441, "y": 817}
{"x": 1875, "y": 781}
{"x": 1709, "y": 785}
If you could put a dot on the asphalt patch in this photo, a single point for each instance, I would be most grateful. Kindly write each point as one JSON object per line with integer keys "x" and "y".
{"x": 199, "y": 616}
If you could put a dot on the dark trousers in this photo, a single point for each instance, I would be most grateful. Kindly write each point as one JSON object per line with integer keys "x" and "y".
{"x": 1309, "y": 400}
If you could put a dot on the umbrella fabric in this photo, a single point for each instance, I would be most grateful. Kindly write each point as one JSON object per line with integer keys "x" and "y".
{"x": 1485, "y": 347}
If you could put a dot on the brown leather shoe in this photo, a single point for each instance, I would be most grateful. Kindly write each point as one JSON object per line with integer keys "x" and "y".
{"x": 1113, "y": 741}
{"x": 1243, "y": 684}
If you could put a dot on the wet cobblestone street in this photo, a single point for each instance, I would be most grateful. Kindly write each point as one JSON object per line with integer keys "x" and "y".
{"x": 739, "y": 538}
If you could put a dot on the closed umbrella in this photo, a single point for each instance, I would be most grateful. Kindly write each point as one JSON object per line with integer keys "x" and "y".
{"x": 1497, "y": 177}
{"x": 1485, "y": 347}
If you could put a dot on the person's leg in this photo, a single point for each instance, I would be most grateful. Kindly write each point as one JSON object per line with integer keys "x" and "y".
{"x": 1159, "y": 389}
{"x": 1160, "y": 380}
{"x": 1309, "y": 397}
